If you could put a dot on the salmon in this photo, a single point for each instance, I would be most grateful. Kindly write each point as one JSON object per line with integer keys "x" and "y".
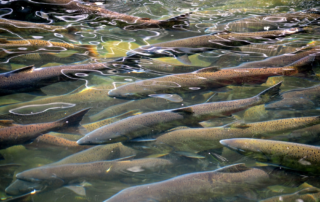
{"x": 311, "y": 194}
{"x": 21, "y": 134}
{"x": 152, "y": 123}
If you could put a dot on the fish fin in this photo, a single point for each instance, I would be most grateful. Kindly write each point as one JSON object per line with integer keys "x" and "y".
{"x": 304, "y": 65}
{"x": 6, "y": 122}
{"x": 23, "y": 69}
{"x": 141, "y": 140}
{"x": 78, "y": 90}
{"x": 22, "y": 198}
{"x": 185, "y": 110}
{"x": 184, "y": 59}
{"x": 270, "y": 94}
{"x": 72, "y": 29}
{"x": 208, "y": 69}
{"x": 37, "y": 92}
{"x": 3, "y": 40}
{"x": 233, "y": 168}
{"x": 237, "y": 124}
{"x": 71, "y": 123}
{"x": 190, "y": 155}
{"x": 83, "y": 130}
{"x": 156, "y": 155}
{"x": 178, "y": 128}
{"x": 124, "y": 158}
{"x": 92, "y": 50}
{"x": 181, "y": 19}
{"x": 79, "y": 190}
{"x": 169, "y": 97}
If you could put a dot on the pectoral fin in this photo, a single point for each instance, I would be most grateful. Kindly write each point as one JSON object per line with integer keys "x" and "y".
{"x": 80, "y": 190}
{"x": 184, "y": 59}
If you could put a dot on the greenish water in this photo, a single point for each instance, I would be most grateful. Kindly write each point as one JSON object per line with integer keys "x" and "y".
{"x": 83, "y": 89}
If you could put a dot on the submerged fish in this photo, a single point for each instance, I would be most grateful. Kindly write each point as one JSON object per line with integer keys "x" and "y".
{"x": 144, "y": 105}
{"x": 37, "y": 43}
{"x": 188, "y": 46}
{"x": 21, "y": 134}
{"x": 204, "y": 186}
{"x": 292, "y": 155}
{"x": 210, "y": 77}
{"x": 29, "y": 79}
{"x": 31, "y": 28}
{"x": 194, "y": 140}
{"x": 99, "y": 170}
{"x": 264, "y": 22}
{"x": 309, "y": 194}
{"x": 304, "y": 98}
{"x": 160, "y": 121}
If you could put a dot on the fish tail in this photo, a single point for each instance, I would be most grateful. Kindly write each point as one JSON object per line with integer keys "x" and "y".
{"x": 92, "y": 50}
{"x": 71, "y": 124}
{"x": 270, "y": 94}
{"x": 304, "y": 65}
{"x": 178, "y": 20}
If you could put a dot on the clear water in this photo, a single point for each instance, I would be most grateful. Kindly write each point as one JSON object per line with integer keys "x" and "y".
{"x": 113, "y": 42}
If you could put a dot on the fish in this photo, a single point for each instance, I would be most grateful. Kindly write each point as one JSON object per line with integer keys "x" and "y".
{"x": 99, "y": 170}
{"x": 49, "y": 141}
{"x": 283, "y": 60}
{"x": 92, "y": 126}
{"x": 195, "y": 140}
{"x": 264, "y": 22}
{"x": 39, "y": 59}
{"x": 143, "y": 105}
{"x": 127, "y": 22}
{"x": 21, "y": 134}
{"x": 181, "y": 48}
{"x": 295, "y": 156}
{"x": 19, "y": 187}
{"x": 211, "y": 77}
{"x": 204, "y": 186}
{"x": 308, "y": 194}
{"x": 306, "y": 135}
{"x": 303, "y": 98}
{"x": 37, "y": 43}
{"x": 17, "y": 26}
{"x": 160, "y": 121}
{"x": 24, "y": 198}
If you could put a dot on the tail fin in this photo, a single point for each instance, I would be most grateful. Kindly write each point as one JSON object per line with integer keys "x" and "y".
{"x": 178, "y": 20}
{"x": 304, "y": 65}
{"x": 270, "y": 94}
{"x": 71, "y": 124}
{"x": 92, "y": 50}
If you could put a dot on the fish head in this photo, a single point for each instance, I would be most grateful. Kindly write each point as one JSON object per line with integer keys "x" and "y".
{"x": 19, "y": 187}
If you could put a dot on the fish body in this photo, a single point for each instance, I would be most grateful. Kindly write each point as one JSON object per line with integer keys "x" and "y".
{"x": 105, "y": 170}
{"x": 159, "y": 66}
{"x": 194, "y": 140}
{"x": 296, "y": 156}
{"x": 304, "y": 98}
{"x": 37, "y": 43}
{"x": 30, "y": 79}
{"x": 30, "y": 28}
{"x": 210, "y": 77}
{"x": 202, "y": 186}
{"x": 20, "y": 134}
{"x": 160, "y": 121}
{"x": 192, "y": 45}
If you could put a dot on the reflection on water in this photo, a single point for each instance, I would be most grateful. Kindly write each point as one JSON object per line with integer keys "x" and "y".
{"x": 168, "y": 100}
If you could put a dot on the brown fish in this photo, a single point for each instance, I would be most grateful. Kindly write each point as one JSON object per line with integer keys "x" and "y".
{"x": 152, "y": 123}
{"x": 181, "y": 48}
{"x": 31, "y": 28}
{"x": 205, "y": 186}
{"x": 210, "y": 77}
{"x": 309, "y": 194}
{"x": 21, "y": 134}
{"x": 296, "y": 156}
{"x": 37, "y": 43}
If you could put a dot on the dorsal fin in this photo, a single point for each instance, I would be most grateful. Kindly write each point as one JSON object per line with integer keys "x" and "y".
{"x": 208, "y": 69}
{"x": 234, "y": 168}
{"x": 3, "y": 40}
{"x": 23, "y": 69}
{"x": 6, "y": 122}
{"x": 185, "y": 110}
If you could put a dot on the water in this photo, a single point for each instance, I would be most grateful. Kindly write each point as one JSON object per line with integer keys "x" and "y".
{"x": 80, "y": 89}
